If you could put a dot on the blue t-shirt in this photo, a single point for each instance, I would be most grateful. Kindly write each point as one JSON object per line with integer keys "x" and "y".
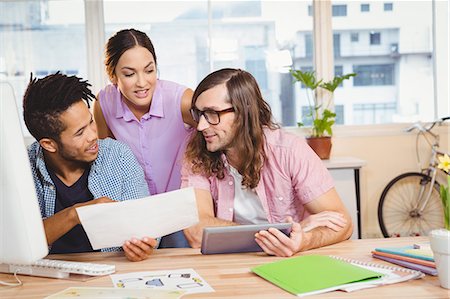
{"x": 76, "y": 239}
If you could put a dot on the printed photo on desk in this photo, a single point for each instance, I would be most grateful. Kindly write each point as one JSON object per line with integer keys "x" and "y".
{"x": 173, "y": 280}
{"x": 316, "y": 274}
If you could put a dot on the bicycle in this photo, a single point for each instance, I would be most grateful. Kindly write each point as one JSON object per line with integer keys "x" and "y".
{"x": 410, "y": 204}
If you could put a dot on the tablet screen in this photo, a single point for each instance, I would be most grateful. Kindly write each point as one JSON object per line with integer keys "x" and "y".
{"x": 235, "y": 239}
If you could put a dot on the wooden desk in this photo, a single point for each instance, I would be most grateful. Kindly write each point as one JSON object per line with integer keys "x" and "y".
{"x": 229, "y": 274}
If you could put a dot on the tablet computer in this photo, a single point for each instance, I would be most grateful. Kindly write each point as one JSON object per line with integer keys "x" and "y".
{"x": 239, "y": 238}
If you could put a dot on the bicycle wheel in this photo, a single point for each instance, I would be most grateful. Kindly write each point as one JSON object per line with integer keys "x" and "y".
{"x": 397, "y": 213}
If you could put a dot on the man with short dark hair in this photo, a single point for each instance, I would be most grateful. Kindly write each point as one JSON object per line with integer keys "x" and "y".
{"x": 246, "y": 170}
{"x": 72, "y": 168}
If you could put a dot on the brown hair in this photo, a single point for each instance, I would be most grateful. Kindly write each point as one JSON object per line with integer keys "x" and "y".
{"x": 252, "y": 114}
{"x": 122, "y": 41}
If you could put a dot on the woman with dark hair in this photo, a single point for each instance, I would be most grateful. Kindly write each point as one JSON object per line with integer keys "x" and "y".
{"x": 148, "y": 114}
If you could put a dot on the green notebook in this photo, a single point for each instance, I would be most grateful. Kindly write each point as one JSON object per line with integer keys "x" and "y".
{"x": 313, "y": 274}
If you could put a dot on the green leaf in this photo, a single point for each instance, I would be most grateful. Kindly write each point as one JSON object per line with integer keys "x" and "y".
{"x": 445, "y": 197}
{"x": 322, "y": 121}
{"x": 333, "y": 84}
{"x": 307, "y": 78}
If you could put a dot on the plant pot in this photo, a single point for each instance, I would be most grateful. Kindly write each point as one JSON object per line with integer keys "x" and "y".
{"x": 321, "y": 146}
{"x": 440, "y": 245}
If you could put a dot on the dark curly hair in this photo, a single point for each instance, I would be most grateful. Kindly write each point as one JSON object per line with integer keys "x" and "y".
{"x": 45, "y": 99}
{"x": 252, "y": 113}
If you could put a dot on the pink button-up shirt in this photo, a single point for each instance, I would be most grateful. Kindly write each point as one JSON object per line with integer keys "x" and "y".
{"x": 291, "y": 177}
{"x": 158, "y": 139}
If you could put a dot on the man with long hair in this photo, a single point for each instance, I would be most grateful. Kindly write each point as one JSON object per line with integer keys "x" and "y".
{"x": 246, "y": 170}
{"x": 72, "y": 168}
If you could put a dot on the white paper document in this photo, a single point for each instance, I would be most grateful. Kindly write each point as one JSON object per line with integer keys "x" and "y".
{"x": 171, "y": 280}
{"x": 111, "y": 224}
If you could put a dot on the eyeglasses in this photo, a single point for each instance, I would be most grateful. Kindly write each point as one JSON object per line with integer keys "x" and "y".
{"x": 211, "y": 116}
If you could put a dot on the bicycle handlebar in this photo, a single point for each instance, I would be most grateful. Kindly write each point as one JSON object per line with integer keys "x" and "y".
{"x": 422, "y": 128}
{"x": 417, "y": 126}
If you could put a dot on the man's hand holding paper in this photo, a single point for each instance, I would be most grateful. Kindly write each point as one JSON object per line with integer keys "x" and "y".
{"x": 109, "y": 225}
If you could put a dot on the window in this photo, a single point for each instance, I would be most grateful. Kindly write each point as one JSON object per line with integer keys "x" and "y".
{"x": 375, "y": 113}
{"x": 339, "y": 71}
{"x": 307, "y": 119}
{"x": 365, "y": 7}
{"x": 339, "y": 10}
{"x": 369, "y": 75}
{"x": 394, "y": 48}
{"x": 244, "y": 34}
{"x": 388, "y": 7}
{"x": 308, "y": 46}
{"x": 258, "y": 69}
{"x": 179, "y": 33}
{"x": 375, "y": 38}
{"x": 339, "y": 110}
{"x": 71, "y": 72}
{"x": 41, "y": 37}
{"x": 394, "y": 64}
{"x": 306, "y": 116}
{"x": 255, "y": 63}
{"x": 336, "y": 44}
{"x": 41, "y": 73}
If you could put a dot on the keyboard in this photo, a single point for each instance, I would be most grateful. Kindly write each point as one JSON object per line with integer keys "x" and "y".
{"x": 58, "y": 268}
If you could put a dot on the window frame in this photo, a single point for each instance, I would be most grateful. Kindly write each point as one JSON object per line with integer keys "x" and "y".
{"x": 379, "y": 74}
{"x": 365, "y": 7}
{"x": 338, "y": 10}
{"x": 375, "y": 38}
{"x": 388, "y": 6}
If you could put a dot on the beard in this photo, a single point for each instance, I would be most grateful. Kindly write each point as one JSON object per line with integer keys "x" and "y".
{"x": 73, "y": 157}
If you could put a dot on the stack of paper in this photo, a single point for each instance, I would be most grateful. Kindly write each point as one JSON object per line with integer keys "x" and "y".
{"x": 411, "y": 257}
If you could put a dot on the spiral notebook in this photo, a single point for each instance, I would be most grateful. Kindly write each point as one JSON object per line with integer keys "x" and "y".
{"x": 316, "y": 274}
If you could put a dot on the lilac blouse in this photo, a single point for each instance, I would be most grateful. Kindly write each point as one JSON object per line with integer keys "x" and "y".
{"x": 158, "y": 139}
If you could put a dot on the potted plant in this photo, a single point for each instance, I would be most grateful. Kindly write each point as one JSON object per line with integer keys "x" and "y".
{"x": 320, "y": 95}
{"x": 440, "y": 238}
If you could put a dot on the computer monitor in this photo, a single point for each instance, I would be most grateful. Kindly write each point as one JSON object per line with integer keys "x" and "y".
{"x": 22, "y": 235}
